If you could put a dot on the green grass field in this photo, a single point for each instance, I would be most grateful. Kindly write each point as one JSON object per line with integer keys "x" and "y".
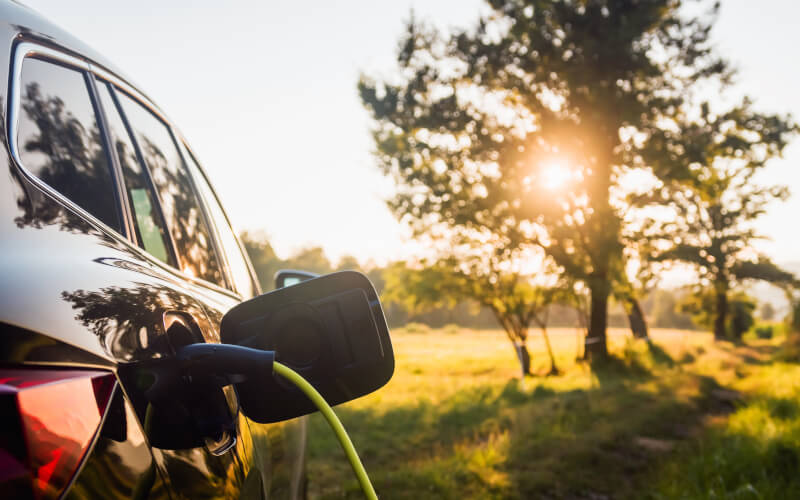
{"x": 687, "y": 418}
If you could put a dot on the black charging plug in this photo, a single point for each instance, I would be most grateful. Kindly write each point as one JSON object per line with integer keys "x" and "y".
{"x": 233, "y": 363}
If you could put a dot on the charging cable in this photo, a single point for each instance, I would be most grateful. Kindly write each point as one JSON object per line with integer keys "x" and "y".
{"x": 229, "y": 359}
{"x": 338, "y": 429}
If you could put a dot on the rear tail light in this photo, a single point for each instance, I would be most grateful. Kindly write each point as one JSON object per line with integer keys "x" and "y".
{"x": 49, "y": 419}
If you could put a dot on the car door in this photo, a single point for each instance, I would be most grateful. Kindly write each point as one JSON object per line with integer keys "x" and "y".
{"x": 268, "y": 459}
{"x": 93, "y": 279}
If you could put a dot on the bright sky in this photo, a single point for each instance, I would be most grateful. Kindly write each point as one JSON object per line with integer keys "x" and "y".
{"x": 266, "y": 94}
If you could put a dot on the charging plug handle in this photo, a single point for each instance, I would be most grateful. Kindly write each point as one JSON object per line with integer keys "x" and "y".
{"x": 226, "y": 360}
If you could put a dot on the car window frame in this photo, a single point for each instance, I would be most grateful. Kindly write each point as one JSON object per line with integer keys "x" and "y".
{"x": 26, "y": 50}
{"x": 170, "y": 243}
{"x": 96, "y": 75}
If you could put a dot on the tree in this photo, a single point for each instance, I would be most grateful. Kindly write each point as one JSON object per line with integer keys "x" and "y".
{"x": 348, "y": 262}
{"x": 541, "y": 299}
{"x": 265, "y": 262}
{"x": 491, "y": 278}
{"x": 712, "y": 211}
{"x": 525, "y": 125}
{"x": 767, "y": 312}
{"x": 311, "y": 259}
{"x": 626, "y": 294}
{"x": 793, "y": 318}
{"x": 739, "y": 319}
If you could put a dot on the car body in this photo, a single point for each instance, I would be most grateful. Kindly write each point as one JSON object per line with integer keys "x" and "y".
{"x": 114, "y": 249}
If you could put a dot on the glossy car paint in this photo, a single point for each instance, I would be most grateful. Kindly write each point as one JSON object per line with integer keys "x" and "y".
{"x": 77, "y": 295}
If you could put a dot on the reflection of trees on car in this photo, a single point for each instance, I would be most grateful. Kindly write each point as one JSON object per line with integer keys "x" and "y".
{"x": 182, "y": 212}
{"x": 67, "y": 157}
{"x": 128, "y": 320}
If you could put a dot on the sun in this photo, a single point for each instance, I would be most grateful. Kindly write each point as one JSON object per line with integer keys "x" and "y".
{"x": 555, "y": 175}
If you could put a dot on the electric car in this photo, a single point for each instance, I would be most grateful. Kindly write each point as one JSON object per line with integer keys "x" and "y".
{"x": 116, "y": 254}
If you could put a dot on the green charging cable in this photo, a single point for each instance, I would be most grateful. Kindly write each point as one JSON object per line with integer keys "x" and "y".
{"x": 338, "y": 429}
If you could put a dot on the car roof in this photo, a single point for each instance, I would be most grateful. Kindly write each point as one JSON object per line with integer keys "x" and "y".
{"x": 34, "y": 26}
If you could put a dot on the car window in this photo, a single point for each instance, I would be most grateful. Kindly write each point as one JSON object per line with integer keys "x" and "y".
{"x": 151, "y": 233}
{"x": 178, "y": 202}
{"x": 59, "y": 140}
{"x": 240, "y": 271}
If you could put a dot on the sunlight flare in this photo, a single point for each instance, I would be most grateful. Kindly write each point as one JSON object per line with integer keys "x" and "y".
{"x": 555, "y": 175}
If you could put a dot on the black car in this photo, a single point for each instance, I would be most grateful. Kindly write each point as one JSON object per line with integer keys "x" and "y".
{"x": 116, "y": 254}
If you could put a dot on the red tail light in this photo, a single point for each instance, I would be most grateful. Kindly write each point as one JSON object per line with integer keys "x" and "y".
{"x": 49, "y": 419}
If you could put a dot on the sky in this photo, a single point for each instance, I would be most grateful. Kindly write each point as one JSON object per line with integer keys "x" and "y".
{"x": 265, "y": 93}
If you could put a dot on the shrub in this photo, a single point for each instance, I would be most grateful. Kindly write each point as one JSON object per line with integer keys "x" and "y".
{"x": 741, "y": 309}
{"x": 764, "y": 331}
{"x": 451, "y": 329}
{"x": 416, "y": 328}
{"x": 701, "y": 304}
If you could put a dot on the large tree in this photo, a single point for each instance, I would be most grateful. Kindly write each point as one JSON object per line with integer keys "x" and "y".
{"x": 526, "y": 124}
{"x": 707, "y": 218}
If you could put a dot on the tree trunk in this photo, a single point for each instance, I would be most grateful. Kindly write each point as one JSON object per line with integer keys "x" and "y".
{"x": 595, "y": 348}
{"x": 720, "y": 315}
{"x": 603, "y": 227}
{"x": 517, "y": 339}
{"x": 553, "y": 367}
{"x": 636, "y": 319}
{"x": 524, "y": 357}
{"x": 581, "y": 330}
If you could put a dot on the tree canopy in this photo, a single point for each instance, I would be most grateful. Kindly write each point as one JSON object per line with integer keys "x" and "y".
{"x": 708, "y": 218}
{"x": 525, "y": 125}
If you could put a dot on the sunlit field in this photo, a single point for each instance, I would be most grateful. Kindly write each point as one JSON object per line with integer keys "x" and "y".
{"x": 687, "y": 418}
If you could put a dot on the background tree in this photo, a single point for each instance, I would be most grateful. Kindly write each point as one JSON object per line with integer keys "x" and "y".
{"x": 348, "y": 262}
{"x": 766, "y": 312}
{"x": 311, "y": 259}
{"x": 542, "y": 299}
{"x": 524, "y": 125}
{"x": 266, "y": 262}
{"x": 492, "y": 274}
{"x": 701, "y": 305}
{"x": 793, "y": 318}
{"x": 626, "y": 293}
{"x": 712, "y": 211}
{"x": 263, "y": 257}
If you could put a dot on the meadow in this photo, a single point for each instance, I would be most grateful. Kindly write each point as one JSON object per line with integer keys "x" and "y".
{"x": 683, "y": 417}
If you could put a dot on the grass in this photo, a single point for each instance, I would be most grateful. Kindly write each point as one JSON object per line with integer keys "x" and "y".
{"x": 754, "y": 453}
{"x": 684, "y": 418}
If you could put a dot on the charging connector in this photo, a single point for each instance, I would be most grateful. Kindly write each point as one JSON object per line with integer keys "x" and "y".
{"x": 235, "y": 364}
